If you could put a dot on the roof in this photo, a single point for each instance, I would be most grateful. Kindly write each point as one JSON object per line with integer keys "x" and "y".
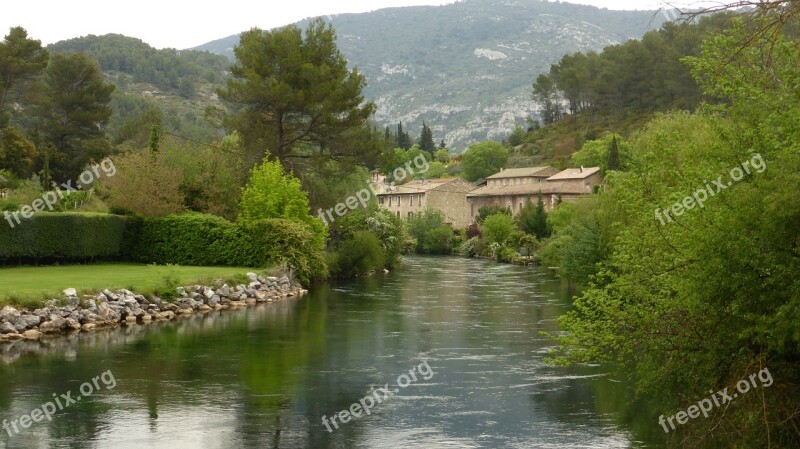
{"x": 524, "y": 172}
{"x": 544, "y": 188}
{"x": 574, "y": 173}
{"x": 424, "y": 185}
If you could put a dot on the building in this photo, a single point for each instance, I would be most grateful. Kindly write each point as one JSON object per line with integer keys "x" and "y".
{"x": 513, "y": 188}
{"x": 446, "y": 195}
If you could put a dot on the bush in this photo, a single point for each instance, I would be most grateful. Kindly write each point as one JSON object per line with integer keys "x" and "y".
{"x": 499, "y": 228}
{"x": 362, "y": 254}
{"x": 486, "y": 211}
{"x": 63, "y": 237}
{"x": 433, "y": 236}
{"x": 505, "y": 254}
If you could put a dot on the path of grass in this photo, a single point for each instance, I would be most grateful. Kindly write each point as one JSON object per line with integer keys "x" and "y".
{"x": 29, "y": 284}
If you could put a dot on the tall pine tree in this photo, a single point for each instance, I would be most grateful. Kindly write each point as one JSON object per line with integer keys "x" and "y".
{"x": 426, "y": 142}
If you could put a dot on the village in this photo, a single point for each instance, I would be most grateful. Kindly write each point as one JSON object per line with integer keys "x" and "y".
{"x": 512, "y": 188}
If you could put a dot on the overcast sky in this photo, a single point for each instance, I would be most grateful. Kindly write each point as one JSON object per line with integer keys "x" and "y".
{"x": 164, "y": 23}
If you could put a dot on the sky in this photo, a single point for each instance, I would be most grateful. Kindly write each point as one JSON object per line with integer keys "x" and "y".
{"x": 164, "y": 23}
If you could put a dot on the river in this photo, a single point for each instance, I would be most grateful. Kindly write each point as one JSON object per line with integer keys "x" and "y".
{"x": 457, "y": 339}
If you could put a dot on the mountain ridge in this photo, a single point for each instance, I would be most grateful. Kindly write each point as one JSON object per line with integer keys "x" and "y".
{"x": 466, "y": 68}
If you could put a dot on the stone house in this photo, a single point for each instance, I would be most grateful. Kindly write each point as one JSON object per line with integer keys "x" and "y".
{"x": 446, "y": 195}
{"x": 513, "y": 188}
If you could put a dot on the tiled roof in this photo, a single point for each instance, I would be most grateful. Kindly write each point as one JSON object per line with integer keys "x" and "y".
{"x": 542, "y": 188}
{"x": 524, "y": 172}
{"x": 574, "y": 173}
{"x": 418, "y": 186}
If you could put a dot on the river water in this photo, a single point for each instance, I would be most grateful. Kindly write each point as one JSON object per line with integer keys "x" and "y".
{"x": 458, "y": 341}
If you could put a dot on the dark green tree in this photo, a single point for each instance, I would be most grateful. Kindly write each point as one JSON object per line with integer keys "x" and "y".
{"x": 72, "y": 112}
{"x": 613, "y": 154}
{"x": 403, "y": 139}
{"x": 292, "y": 94}
{"x": 21, "y": 59}
{"x": 426, "y": 142}
{"x": 442, "y": 145}
{"x": 533, "y": 219}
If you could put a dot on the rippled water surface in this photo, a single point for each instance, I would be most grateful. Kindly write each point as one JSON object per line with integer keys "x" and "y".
{"x": 265, "y": 376}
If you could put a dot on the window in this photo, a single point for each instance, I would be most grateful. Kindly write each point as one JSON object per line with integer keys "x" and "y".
{"x": 390, "y": 201}
{"x": 398, "y": 200}
{"x": 380, "y": 200}
{"x": 398, "y": 214}
{"x": 410, "y": 200}
{"x": 419, "y": 203}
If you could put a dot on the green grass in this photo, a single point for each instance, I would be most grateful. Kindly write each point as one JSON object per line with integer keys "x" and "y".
{"x": 28, "y": 286}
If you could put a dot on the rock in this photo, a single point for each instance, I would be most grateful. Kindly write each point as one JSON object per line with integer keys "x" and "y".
{"x": 55, "y": 325}
{"x": 70, "y": 292}
{"x": 213, "y": 301}
{"x": 224, "y": 290}
{"x": 181, "y": 291}
{"x": 31, "y": 334}
{"x": 208, "y": 293}
{"x": 110, "y": 295}
{"x": 9, "y": 313}
{"x": 146, "y": 318}
{"x": 73, "y": 325}
{"x": 255, "y": 285}
{"x": 88, "y": 327}
{"x": 204, "y": 308}
{"x": 7, "y": 328}
{"x": 262, "y": 279}
{"x": 138, "y": 312}
{"x": 168, "y": 315}
{"x": 26, "y": 322}
{"x": 250, "y": 301}
{"x": 130, "y": 319}
{"x": 252, "y": 276}
{"x": 10, "y": 337}
{"x": 261, "y": 296}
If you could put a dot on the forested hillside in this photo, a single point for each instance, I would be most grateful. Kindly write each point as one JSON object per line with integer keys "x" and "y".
{"x": 168, "y": 87}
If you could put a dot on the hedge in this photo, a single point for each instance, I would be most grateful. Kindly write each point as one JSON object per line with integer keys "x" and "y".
{"x": 69, "y": 237}
{"x": 199, "y": 239}
{"x": 185, "y": 239}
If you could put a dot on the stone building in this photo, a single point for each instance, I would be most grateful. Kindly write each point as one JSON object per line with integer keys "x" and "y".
{"x": 513, "y": 188}
{"x": 446, "y": 195}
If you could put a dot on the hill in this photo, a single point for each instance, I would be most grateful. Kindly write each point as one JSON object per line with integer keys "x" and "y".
{"x": 466, "y": 68}
{"x": 174, "y": 86}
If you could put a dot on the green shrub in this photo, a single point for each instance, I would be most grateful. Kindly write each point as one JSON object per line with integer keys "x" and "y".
{"x": 432, "y": 235}
{"x": 362, "y": 254}
{"x": 505, "y": 254}
{"x": 62, "y": 237}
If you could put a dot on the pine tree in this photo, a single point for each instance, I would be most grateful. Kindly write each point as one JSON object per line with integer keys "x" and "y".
{"x": 426, "y": 142}
{"x": 613, "y": 155}
{"x": 442, "y": 145}
{"x": 403, "y": 139}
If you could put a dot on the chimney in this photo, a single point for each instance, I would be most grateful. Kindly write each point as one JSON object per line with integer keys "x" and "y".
{"x": 581, "y": 168}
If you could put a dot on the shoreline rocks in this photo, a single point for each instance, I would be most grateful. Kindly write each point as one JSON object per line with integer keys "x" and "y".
{"x": 113, "y": 308}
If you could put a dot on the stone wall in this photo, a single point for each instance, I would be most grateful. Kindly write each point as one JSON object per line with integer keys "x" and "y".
{"x": 112, "y": 308}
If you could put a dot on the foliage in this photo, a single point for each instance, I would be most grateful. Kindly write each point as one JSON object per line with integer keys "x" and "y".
{"x": 144, "y": 185}
{"x": 272, "y": 193}
{"x": 17, "y": 153}
{"x": 516, "y": 136}
{"x": 383, "y": 224}
{"x": 70, "y": 114}
{"x": 198, "y": 239}
{"x": 483, "y": 159}
{"x": 498, "y": 228}
{"x": 398, "y": 158}
{"x": 598, "y": 153}
{"x": 435, "y": 170}
{"x": 361, "y": 254}
{"x": 711, "y": 296}
{"x": 291, "y": 88}
{"x": 442, "y": 155}
{"x": 62, "y": 237}
{"x": 486, "y": 211}
{"x": 21, "y": 58}
{"x": 426, "y": 142}
{"x": 473, "y": 230}
{"x": 433, "y": 236}
{"x": 533, "y": 219}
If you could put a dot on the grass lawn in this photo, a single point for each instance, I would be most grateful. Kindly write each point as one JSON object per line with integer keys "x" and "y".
{"x": 25, "y": 285}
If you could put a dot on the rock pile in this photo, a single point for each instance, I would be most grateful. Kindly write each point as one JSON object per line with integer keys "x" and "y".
{"x": 111, "y": 308}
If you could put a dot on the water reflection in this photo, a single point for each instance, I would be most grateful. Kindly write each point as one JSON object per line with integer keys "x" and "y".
{"x": 264, "y": 376}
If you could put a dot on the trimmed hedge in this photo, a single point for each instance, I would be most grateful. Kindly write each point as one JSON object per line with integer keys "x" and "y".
{"x": 185, "y": 239}
{"x": 74, "y": 237}
{"x": 200, "y": 239}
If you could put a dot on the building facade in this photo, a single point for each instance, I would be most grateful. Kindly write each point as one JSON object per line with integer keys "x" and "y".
{"x": 513, "y": 188}
{"x": 448, "y": 196}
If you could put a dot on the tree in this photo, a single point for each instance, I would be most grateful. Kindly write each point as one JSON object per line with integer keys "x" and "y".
{"x": 498, "y": 228}
{"x": 144, "y": 185}
{"x": 613, "y": 155}
{"x": 442, "y": 145}
{"x": 403, "y": 139}
{"x": 539, "y": 221}
{"x": 516, "y": 136}
{"x": 432, "y": 234}
{"x": 426, "y": 142}
{"x": 72, "y": 112}
{"x": 291, "y": 93}
{"x": 17, "y": 154}
{"x": 546, "y": 94}
{"x": 21, "y": 59}
{"x": 442, "y": 155}
{"x": 486, "y": 211}
{"x": 273, "y": 193}
{"x": 483, "y": 159}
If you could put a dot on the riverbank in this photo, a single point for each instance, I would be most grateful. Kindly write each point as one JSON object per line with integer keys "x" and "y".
{"x": 72, "y": 314}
